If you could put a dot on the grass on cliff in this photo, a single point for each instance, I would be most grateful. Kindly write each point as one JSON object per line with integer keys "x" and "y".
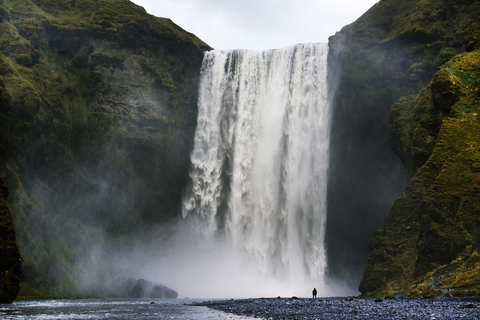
{"x": 96, "y": 14}
{"x": 423, "y": 33}
{"x": 463, "y": 72}
{"x": 427, "y": 244}
{"x": 460, "y": 278}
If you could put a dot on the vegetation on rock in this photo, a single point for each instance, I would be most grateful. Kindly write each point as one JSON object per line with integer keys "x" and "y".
{"x": 430, "y": 238}
{"x": 97, "y": 114}
{"x": 392, "y": 51}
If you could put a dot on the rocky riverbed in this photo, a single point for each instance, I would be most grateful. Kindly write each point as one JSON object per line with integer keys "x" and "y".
{"x": 350, "y": 308}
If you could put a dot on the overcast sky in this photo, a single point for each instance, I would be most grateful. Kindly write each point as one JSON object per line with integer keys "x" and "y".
{"x": 259, "y": 24}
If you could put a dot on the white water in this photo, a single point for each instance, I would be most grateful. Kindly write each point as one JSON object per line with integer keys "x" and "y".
{"x": 95, "y": 309}
{"x": 260, "y": 160}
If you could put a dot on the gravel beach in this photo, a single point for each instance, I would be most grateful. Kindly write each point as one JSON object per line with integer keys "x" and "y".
{"x": 350, "y": 308}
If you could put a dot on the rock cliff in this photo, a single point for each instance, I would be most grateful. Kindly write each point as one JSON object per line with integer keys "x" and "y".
{"x": 430, "y": 239}
{"x": 97, "y": 112}
{"x": 392, "y": 51}
{"x": 10, "y": 270}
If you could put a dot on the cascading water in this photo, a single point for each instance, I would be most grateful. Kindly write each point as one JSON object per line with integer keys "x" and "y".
{"x": 260, "y": 159}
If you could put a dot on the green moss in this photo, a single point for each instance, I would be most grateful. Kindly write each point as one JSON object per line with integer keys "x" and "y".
{"x": 437, "y": 135}
{"x": 184, "y": 35}
{"x": 91, "y": 92}
{"x": 392, "y": 51}
{"x": 103, "y": 16}
{"x": 425, "y": 292}
{"x": 431, "y": 30}
{"x": 464, "y": 273}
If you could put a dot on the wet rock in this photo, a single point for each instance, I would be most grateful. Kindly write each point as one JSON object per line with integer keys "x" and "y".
{"x": 468, "y": 305}
{"x": 147, "y": 289}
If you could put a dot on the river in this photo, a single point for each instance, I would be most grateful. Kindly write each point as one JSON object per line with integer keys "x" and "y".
{"x": 132, "y": 309}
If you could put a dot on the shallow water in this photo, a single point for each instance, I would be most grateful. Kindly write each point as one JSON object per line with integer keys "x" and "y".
{"x": 110, "y": 309}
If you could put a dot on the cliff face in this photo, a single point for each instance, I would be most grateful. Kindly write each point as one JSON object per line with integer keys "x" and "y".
{"x": 10, "y": 270}
{"x": 431, "y": 234}
{"x": 97, "y": 111}
{"x": 391, "y": 51}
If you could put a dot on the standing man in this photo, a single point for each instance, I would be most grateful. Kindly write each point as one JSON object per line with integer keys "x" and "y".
{"x": 314, "y": 292}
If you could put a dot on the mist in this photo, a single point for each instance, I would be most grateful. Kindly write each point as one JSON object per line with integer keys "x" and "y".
{"x": 253, "y": 226}
{"x": 198, "y": 267}
{"x": 365, "y": 176}
{"x": 253, "y": 214}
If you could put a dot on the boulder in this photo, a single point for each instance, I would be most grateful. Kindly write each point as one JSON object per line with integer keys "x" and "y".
{"x": 147, "y": 289}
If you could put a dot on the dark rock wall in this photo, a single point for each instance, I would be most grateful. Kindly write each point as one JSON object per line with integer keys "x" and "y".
{"x": 391, "y": 51}
{"x": 10, "y": 270}
{"x": 431, "y": 234}
{"x": 97, "y": 115}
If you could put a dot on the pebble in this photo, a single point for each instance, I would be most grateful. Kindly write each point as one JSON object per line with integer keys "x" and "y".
{"x": 349, "y": 308}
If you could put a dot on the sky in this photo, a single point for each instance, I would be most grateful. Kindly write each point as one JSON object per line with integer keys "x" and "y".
{"x": 259, "y": 24}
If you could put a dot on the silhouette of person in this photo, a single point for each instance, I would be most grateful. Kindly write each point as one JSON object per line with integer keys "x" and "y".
{"x": 314, "y": 292}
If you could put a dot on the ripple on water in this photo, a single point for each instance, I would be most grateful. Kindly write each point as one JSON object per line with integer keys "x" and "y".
{"x": 134, "y": 309}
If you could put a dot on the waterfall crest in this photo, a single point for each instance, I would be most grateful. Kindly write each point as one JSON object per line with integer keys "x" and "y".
{"x": 260, "y": 159}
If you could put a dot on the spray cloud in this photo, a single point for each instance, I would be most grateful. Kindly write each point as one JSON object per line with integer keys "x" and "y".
{"x": 257, "y": 199}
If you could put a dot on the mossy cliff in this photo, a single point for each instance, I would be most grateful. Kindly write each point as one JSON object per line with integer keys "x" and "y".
{"x": 97, "y": 114}
{"x": 10, "y": 270}
{"x": 431, "y": 235}
{"x": 391, "y": 51}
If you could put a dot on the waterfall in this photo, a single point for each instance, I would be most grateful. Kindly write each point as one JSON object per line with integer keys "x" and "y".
{"x": 260, "y": 158}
